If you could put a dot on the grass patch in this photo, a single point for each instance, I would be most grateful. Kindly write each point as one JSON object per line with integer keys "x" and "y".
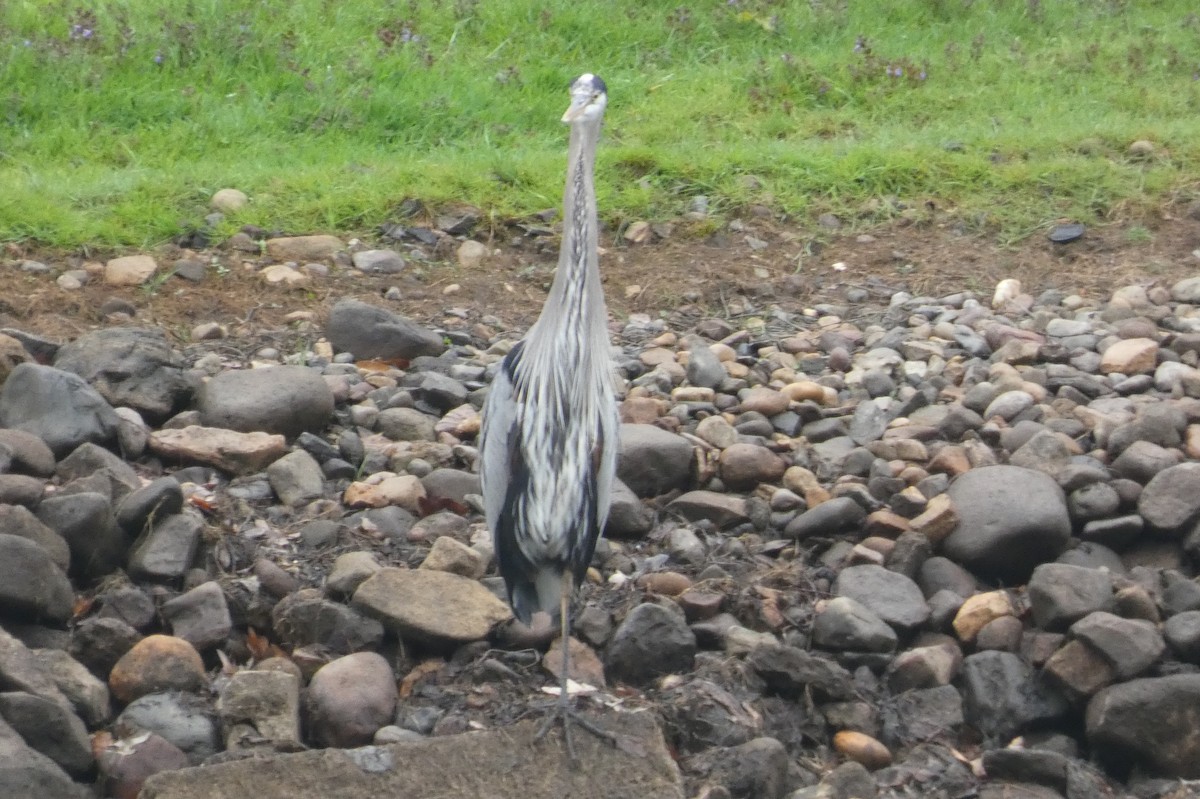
{"x": 119, "y": 118}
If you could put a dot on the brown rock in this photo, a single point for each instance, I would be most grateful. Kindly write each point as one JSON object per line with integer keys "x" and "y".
{"x": 668, "y": 583}
{"x": 938, "y": 520}
{"x": 303, "y": 248}
{"x": 885, "y": 524}
{"x": 228, "y": 450}
{"x": 863, "y": 749}
{"x": 978, "y": 610}
{"x": 641, "y": 410}
{"x": 455, "y": 557}
{"x": 431, "y": 606}
{"x": 157, "y": 663}
{"x": 586, "y": 667}
{"x": 743, "y": 466}
{"x": 1130, "y": 356}
{"x": 12, "y": 352}
{"x": 129, "y": 270}
{"x": 1079, "y": 670}
{"x": 350, "y": 698}
{"x": 126, "y": 764}
{"x": 405, "y": 490}
{"x": 766, "y": 401}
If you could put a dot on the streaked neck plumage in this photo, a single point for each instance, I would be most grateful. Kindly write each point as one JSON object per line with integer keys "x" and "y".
{"x": 576, "y": 300}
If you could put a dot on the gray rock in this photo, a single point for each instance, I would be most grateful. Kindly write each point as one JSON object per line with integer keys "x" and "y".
{"x": 704, "y": 367}
{"x": 86, "y": 522}
{"x": 722, "y": 510}
{"x": 98, "y": 643}
{"x": 1092, "y": 502}
{"x": 1130, "y": 646}
{"x": 407, "y": 424}
{"x": 350, "y": 698}
{"x": 1142, "y": 460}
{"x": 869, "y": 422}
{"x": 49, "y": 728}
{"x": 893, "y": 597}
{"x": 29, "y": 453}
{"x": 199, "y": 616}
{"x": 261, "y": 706}
{"x": 790, "y": 672}
{"x": 700, "y": 714}
{"x": 831, "y": 517}
{"x": 757, "y": 768}
{"x": 1182, "y": 632}
{"x": 1171, "y": 500}
{"x": 296, "y": 478}
{"x": 24, "y": 771}
{"x": 650, "y": 642}
{"x": 370, "y": 332}
{"x": 160, "y": 498}
{"x": 628, "y": 517}
{"x": 129, "y": 366}
{"x": 183, "y": 719}
{"x": 167, "y": 549}
{"x": 378, "y": 262}
{"x": 1002, "y": 695}
{"x": 652, "y": 461}
{"x": 88, "y": 460}
{"x": 1060, "y": 594}
{"x": 19, "y": 489}
{"x": 58, "y": 407}
{"x": 306, "y": 618}
{"x": 1149, "y": 722}
{"x": 845, "y": 624}
{"x": 439, "y": 393}
{"x": 19, "y": 521}
{"x": 1024, "y": 765}
{"x": 942, "y": 574}
{"x": 922, "y": 715}
{"x": 88, "y": 695}
{"x": 1010, "y": 520}
{"x": 453, "y": 484}
{"x": 287, "y": 400}
{"x": 32, "y": 585}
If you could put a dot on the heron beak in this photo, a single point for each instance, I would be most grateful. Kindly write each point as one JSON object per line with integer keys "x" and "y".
{"x": 576, "y": 109}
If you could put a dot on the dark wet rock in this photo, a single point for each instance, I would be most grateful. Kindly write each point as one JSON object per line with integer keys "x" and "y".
{"x": 129, "y": 366}
{"x": 98, "y": 643}
{"x": 86, "y": 522}
{"x": 1010, "y": 520}
{"x": 17, "y": 520}
{"x": 24, "y": 771}
{"x": 922, "y": 715}
{"x": 287, "y": 400}
{"x": 306, "y": 618}
{"x": 58, "y": 407}
{"x": 1130, "y": 646}
{"x": 50, "y": 728}
{"x": 789, "y": 672}
{"x": 628, "y": 516}
{"x": 1002, "y": 696}
{"x": 650, "y": 642}
{"x": 700, "y": 714}
{"x": 371, "y": 332}
{"x": 1182, "y": 632}
{"x": 757, "y": 768}
{"x": 160, "y": 498}
{"x": 829, "y": 518}
{"x": 166, "y": 550}
{"x": 1151, "y": 722}
{"x": 32, "y": 585}
{"x": 87, "y": 694}
{"x": 28, "y": 453}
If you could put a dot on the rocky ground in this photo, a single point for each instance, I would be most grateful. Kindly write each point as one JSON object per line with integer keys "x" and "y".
{"x": 868, "y": 542}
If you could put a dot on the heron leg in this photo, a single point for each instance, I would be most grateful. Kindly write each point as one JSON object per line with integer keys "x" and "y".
{"x": 563, "y": 710}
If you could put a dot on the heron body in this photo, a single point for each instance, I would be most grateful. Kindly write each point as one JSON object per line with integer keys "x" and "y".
{"x": 549, "y": 434}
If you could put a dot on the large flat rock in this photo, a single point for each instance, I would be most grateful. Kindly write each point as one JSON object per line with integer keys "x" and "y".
{"x": 498, "y": 764}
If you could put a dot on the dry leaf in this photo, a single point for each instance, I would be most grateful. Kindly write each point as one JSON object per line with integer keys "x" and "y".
{"x": 419, "y": 672}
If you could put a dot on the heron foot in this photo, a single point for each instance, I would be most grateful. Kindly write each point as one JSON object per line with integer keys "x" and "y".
{"x": 568, "y": 715}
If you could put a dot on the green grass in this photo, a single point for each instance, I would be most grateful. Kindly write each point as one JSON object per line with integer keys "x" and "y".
{"x": 330, "y": 113}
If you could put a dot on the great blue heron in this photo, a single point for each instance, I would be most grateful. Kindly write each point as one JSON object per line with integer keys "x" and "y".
{"x": 548, "y": 443}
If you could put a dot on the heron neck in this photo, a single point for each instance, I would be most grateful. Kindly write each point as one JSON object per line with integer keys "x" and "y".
{"x": 576, "y": 301}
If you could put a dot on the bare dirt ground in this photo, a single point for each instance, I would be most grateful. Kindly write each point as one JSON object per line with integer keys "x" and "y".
{"x": 744, "y": 269}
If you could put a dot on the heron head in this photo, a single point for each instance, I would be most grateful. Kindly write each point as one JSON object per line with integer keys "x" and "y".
{"x": 589, "y": 95}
